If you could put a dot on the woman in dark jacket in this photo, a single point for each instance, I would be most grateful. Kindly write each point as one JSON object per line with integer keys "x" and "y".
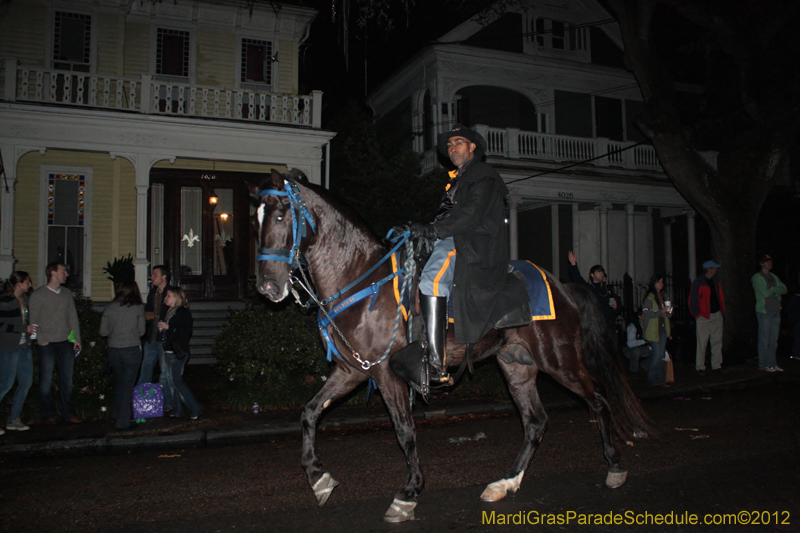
{"x": 178, "y": 328}
{"x": 123, "y": 323}
{"x": 15, "y": 345}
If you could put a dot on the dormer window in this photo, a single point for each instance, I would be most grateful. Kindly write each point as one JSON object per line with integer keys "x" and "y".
{"x": 72, "y": 41}
{"x": 557, "y": 35}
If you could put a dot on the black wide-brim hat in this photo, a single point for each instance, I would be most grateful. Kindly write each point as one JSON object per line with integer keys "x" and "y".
{"x": 460, "y": 130}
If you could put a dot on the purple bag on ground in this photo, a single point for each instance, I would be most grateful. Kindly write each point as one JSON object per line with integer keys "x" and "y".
{"x": 148, "y": 401}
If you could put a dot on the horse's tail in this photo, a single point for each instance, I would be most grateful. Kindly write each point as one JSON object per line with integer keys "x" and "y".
{"x": 627, "y": 416}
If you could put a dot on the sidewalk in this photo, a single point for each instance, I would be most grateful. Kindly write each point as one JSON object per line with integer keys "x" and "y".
{"x": 217, "y": 427}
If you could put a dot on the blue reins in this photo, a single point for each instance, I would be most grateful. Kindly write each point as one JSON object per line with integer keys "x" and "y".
{"x": 295, "y": 258}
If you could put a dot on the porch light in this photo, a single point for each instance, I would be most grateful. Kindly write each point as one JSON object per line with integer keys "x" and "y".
{"x": 213, "y": 200}
{"x": 224, "y": 217}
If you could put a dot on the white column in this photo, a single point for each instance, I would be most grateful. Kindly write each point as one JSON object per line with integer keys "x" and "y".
{"x": 668, "y": 246}
{"x": 140, "y": 262}
{"x": 513, "y": 227}
{"x": 602, "y": 209}
{"x": 7, "y": 196}
{"x": 555, "y": 234}
{"x": 316, "y": 109}
{"x": 328, "y": 165}
{"x": 692, "y": 252}
{"x": 631, "y": 220}
{"x": 10, "y": 90}
{"x": 576, "y": 230}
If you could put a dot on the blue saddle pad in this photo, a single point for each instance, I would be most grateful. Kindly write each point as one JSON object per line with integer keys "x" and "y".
{"x": 539, "y": 291}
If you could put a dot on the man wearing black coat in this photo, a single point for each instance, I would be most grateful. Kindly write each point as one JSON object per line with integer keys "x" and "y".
{"x": 470, "y": 226}
{"x": 610, "y": 303}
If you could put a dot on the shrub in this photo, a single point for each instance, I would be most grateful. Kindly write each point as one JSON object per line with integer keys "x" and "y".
{"x": 120, "y": 270}
{"x": 271, "y": 355}
{"x": 93, "y": 383}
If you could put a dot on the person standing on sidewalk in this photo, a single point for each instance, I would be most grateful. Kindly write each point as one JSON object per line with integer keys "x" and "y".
{"x": 656, "y": 329}
{"x": 15, "y": 345}
{"x": 53, "y": 310}
{"x": 610, "y": 303}
{"x": 154, "y": 311}
{"x": 707, "y": 306}
{"x": 177, "y": 324}
{"x": 768, "y": 311}
{"x": 123, "y": 323}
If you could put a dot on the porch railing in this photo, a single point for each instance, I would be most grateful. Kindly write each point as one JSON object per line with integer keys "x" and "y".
{"x": 514, "y": 143}
{"x": 150, "y": 96}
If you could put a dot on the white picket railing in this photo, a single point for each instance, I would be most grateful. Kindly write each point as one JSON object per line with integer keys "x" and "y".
{"x": 519, "y": 144}
{"x": 150, "y": 96}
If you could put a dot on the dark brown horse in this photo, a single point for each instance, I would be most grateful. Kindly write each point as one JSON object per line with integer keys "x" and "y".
{"x": 295, "y": 219}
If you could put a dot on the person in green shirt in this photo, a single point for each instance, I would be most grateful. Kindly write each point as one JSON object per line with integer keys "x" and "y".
{"x": 768, "y": 290}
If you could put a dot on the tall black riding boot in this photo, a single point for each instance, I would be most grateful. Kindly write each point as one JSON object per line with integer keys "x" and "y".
{"x": 434, "y": 312}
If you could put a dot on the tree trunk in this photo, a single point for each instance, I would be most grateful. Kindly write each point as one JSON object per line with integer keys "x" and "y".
{"x": 729, "y": 197}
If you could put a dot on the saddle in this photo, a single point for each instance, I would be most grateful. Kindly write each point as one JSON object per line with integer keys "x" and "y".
{"x": 410, "y": 363}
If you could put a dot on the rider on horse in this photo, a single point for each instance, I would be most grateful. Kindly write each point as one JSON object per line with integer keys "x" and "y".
{"x": 470, "y": 226}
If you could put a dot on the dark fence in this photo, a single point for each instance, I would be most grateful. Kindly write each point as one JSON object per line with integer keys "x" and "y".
{"x": 633, "y": 295}
{"x": 682, "y": 345}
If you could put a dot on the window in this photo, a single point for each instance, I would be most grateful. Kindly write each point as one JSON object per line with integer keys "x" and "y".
{"x": 66, "y": 213}
{"x": 257, "y": 60}
{"x": 172, "y": 53}
{"x": 577, "y": 37}
{"x": 558, "y": 35}
{"x": 72, "y": 41}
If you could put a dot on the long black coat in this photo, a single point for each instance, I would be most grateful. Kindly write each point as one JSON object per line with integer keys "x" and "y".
{"x": 483, "y": 290}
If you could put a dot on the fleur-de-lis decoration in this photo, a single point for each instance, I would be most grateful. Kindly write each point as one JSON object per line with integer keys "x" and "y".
{"x": 191, "y": 238}
{"x": 223, "y": 238}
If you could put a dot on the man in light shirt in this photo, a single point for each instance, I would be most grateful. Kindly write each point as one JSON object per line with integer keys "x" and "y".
{"x": 52, "y": 308}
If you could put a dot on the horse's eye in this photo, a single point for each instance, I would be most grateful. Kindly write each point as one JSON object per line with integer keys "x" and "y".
{"x": 279, "y": 218}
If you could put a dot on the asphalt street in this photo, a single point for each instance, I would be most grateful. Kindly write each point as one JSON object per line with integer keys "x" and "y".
{"x": 719, "y": 456}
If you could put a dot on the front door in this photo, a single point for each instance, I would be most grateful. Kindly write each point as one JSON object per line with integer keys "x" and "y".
{"x": 204, "y": 232}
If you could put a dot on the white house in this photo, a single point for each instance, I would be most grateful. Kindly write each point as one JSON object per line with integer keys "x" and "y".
{"x": 545, "y": 84}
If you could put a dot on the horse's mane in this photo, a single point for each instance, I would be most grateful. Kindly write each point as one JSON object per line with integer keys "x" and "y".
{"x": 342, "y": 208}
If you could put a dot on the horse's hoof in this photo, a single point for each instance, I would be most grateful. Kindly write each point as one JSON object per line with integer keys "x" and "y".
{"x": 497, "y": 491}
{"x": 400, "y": 511}
{"x": 323, "y": 488}
{"x": 615, "y": 480}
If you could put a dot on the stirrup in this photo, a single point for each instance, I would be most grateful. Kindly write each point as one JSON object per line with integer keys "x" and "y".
{"x": 439, "y": 378}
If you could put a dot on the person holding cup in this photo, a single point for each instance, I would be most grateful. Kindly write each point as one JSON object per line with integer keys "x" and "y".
{"x": 176, "y": 328}
{"x": 15, "y": 345}
{"x": 656, "y": 311}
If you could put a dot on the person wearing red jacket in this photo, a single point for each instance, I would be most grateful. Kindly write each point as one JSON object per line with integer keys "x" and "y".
{"x": 707, "y": 305}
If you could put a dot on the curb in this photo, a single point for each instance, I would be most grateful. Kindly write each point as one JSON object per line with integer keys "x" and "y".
{"x": 213, "y": 437}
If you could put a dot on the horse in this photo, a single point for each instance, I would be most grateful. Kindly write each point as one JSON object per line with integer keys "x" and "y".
{"x": 296, "y": 219}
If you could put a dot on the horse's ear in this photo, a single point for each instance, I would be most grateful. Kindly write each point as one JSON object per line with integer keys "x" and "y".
{"x": 299, "y": 176}
{"x": 277, "y": 180}
{"x": 253, "y": 189}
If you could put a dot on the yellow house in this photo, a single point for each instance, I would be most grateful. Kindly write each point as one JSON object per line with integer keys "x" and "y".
{"x": 137, "y": 127}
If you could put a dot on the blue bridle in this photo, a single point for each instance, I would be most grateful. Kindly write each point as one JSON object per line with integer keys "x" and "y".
{"x": 296, "y": 204}
{"x": 300, "y": 217}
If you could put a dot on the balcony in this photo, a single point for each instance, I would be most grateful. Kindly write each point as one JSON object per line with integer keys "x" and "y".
{"x": 148, "y": 96}
{"x": 519, "y": 145}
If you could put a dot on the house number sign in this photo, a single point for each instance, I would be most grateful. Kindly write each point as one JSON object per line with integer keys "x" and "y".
{"x": 566, "y": 195}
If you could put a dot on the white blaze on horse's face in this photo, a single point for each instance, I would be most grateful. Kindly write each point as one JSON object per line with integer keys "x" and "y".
{"x": 260, "y": 217}
{"x": 274, "y": 233}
